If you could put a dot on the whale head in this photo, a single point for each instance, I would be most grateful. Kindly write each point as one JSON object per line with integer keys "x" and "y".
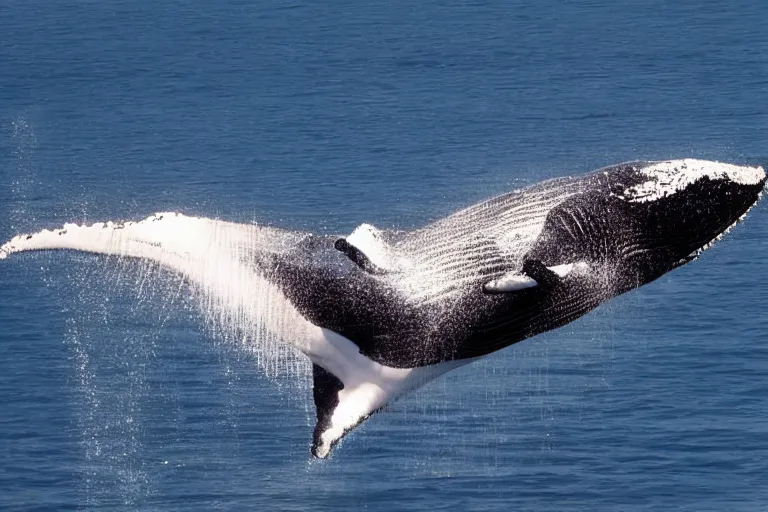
{"x": 677, "y": 209}
{"x": 642, "y": 219}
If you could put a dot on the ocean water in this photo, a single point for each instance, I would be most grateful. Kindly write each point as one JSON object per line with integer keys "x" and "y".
{"x": 116, "y": 394}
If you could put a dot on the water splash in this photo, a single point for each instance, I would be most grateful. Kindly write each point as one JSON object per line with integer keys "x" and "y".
{"x": 24, "y": 179}
{"x": 110, "y": 369}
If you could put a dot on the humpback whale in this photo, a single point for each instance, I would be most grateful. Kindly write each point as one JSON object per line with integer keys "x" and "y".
{"x": 381, "y": 312}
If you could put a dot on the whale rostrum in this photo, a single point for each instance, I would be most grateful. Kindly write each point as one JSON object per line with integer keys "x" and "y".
{"x": 381, "y": 312}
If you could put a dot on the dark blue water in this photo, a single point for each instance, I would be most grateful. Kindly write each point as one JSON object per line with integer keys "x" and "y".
{"x": 116, "y": 395}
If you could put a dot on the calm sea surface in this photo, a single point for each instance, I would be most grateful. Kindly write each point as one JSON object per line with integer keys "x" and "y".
{"x": 116, "y": 394}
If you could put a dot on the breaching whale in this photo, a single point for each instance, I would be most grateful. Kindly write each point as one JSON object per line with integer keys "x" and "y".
{"x": 381, "y": 312}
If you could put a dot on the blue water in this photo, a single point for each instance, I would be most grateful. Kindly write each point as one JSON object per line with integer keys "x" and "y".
{"x": 116, "y": 395}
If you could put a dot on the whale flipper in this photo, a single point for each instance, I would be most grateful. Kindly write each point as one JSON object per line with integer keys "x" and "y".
{"x": 225, "y": 262}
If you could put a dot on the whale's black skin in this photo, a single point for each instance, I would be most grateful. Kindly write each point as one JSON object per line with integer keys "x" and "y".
{"x": 587, "y": 219}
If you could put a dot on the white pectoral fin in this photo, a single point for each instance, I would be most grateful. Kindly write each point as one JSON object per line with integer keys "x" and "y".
{"x": 161, "y": 237}
{"x": 220, "y": 259}
{"x": 169, "y": 238}
{"x": 516, "y": 281}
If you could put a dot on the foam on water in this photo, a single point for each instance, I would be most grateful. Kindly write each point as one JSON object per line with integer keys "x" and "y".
{"x": 24, "y": 180}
